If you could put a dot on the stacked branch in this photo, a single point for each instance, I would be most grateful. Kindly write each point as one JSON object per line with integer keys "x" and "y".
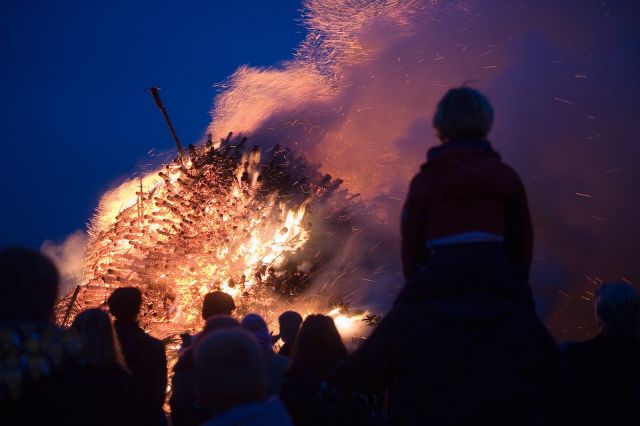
{"x": 226, "y": 216}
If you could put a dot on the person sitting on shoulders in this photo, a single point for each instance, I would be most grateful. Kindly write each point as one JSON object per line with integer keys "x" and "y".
{"x": 466, "y": 211}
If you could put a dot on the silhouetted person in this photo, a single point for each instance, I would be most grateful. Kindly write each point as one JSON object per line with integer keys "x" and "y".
{"x": 214, "y": 303}
{"x": 144, "y": 355}
{"x": 605, "y": 370}
{"x": 289, "y": 323}
{"x": 462, "y": 361}
{"x": 231, "y": 383}
{"x": 100, "y": 357}
{"x": 185, "y": 409}
{"x": 466, "y": 211}
{"x": 41, "y": 379}
{"x": 275, "y": 365}
{"x": 462, "y": 345}
{"x": 316, "y": 355}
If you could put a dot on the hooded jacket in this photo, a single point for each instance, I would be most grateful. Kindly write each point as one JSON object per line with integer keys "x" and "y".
{"x": 269, "y": 412}
{"x": 465, "y": 190}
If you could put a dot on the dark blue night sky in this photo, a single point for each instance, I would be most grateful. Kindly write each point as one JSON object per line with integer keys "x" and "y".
{"x": 75, "y": 118}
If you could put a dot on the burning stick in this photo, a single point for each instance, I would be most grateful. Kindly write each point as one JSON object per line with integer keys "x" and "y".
{"x": 156, "y": 98}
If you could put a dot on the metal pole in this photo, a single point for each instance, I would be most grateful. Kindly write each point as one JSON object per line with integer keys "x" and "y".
{"x": 156, "y": 98}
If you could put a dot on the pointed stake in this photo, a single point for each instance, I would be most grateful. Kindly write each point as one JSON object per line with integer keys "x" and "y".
{"x": 156, "y": 98}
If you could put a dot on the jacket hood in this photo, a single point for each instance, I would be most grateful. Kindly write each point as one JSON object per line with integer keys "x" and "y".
{"x": 270, "y": 412}
{"x": 31, "y": 352}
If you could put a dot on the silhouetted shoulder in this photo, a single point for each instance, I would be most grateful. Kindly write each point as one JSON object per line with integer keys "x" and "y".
{"x": 511, "y": 174}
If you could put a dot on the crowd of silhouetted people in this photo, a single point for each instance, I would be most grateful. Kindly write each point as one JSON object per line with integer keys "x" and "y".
{"x": 427, "y": 362}
{"x": 461, "y": 345}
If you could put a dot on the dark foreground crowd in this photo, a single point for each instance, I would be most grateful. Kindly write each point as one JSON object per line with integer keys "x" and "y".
{"x": 461, "y": 345}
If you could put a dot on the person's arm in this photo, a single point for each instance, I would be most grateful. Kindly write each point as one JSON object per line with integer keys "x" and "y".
{"x": 518, "y": 237}
{"x": 414, "y": 251}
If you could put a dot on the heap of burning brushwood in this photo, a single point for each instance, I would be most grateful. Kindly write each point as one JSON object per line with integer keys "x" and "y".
{"x": 256, "y": 224}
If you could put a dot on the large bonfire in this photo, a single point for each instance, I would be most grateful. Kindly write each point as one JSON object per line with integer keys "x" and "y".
{"x": 256, "y": 224}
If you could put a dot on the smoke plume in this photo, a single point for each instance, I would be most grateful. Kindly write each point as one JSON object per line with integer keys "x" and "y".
{"x": 68, "y": 257}
{"x": 564, "y": 78}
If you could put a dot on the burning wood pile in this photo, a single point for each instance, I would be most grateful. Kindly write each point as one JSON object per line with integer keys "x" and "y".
{"x": 255, "y": 224}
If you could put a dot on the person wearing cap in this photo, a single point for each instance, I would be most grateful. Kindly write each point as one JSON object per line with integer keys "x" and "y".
{"x": 185, "y": 408}
{"x": 230, "y": 381}
{"x": 275, "y": 365}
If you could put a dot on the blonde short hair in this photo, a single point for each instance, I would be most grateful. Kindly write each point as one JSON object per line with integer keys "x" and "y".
{"x": 463, "y": 113}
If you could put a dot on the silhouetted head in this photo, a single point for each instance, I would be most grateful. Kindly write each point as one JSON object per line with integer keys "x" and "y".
{"x": 463, "y": 113}
{"x": 124, "y": 303}
{"x": 217, "y": 303}
{"x": 289, "y": 323}
{"x": 617, "y": 309}
{"x": 318, "y": 347}
{"x": 254, "y": 324}
{"x": 229, "y": 370}
{"x": 99, "y": 344}
{"x": 28, "y": 285}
